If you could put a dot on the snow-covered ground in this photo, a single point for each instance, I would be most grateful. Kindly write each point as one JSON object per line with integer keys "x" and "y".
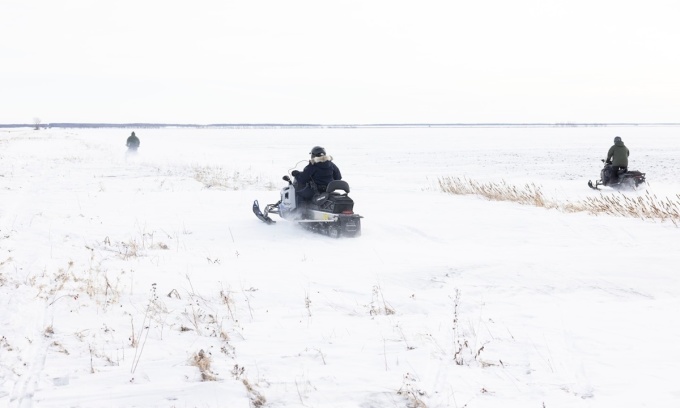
{"x": 146, "y": 281}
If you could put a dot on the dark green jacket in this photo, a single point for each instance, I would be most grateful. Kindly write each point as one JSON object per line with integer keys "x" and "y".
{"x": 132, "y": 141}
{"x": 618, "y": 155}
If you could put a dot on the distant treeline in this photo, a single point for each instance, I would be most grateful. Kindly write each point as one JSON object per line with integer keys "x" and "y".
{"x": 310, "y": 125}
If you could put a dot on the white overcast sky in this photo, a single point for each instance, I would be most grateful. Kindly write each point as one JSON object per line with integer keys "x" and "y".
{"x": 382, "y": 61}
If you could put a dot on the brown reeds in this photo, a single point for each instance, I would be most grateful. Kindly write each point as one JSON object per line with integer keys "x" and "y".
{"x": 646, "y": 207}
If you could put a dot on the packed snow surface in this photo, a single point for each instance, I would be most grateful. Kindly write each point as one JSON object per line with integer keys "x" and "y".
{"x": 145, "y": 280}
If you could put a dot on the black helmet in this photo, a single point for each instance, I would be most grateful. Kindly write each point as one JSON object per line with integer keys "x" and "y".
{"x": 318, "y": 151}
{"x": 617, "y": 139}
{"x": 133, "y": 133}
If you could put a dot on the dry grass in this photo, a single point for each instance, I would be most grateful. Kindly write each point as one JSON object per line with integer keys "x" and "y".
{"x": 256, "y": 398}
{"x": 647, "y": 206}
{"x": 221, "y": 179}
{"x": 379, "y": 306}
{"x": 411, "y": 393}
{"x": 529, "y": 195}
{"x": 203, "y": 361}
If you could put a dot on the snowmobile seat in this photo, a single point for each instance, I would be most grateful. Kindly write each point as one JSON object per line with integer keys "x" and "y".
{"x": 329, "y": 193}
{"x": 334, "y": 203}
{"x": 337, "y": 185}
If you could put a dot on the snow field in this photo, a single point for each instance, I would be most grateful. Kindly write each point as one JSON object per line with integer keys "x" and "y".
{"x": 116, "y": 271}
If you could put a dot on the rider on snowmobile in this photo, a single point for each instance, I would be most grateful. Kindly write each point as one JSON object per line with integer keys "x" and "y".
{"x": 618, "y": 158}
{"x": 316, "y": 175}
{"x": 132, "y": 142}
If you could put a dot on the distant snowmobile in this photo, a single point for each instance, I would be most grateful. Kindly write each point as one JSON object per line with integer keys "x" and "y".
{"x": 628, "y": 180}
{"x": 330, "y": 213}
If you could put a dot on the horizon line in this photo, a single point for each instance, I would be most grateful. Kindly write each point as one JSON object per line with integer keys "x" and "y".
{"x": 322, "y": 125}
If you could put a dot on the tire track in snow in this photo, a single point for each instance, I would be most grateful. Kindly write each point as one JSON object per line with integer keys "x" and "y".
{"x": 35, "y": 325}
{"x": 25, "y": 387}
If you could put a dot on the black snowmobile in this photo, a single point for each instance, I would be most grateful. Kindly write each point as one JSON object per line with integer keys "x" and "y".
{"x": 330, "y": 212}
{"x": 623, "y": 180}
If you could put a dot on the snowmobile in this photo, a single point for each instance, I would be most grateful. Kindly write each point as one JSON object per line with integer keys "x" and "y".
{"x": 624, "y": 180}
{"x": 330, "y": 212}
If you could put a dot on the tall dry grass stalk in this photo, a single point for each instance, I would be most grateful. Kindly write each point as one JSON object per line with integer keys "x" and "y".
{"x": 646, "y": 207}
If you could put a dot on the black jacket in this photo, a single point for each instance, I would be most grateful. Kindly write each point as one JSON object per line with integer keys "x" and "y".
{"x": 322, "y": 173}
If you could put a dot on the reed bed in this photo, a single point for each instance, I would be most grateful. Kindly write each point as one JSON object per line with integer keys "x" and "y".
{"x": 646, "y": 207}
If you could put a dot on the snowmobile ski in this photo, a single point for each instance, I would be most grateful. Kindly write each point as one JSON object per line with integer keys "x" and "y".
{"x": 258, "y": 213}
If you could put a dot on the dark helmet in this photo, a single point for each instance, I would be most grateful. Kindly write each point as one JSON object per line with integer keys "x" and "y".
{"x": 133, "y": 133}
{"x": 318, "y": 151}
{"x": 617, "y": 139}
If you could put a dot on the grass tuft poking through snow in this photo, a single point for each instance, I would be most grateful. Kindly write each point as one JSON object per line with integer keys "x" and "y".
{"x": 647, "y": 206}
{"x": 203, "y": 361}
{"x": 217, "y": 178}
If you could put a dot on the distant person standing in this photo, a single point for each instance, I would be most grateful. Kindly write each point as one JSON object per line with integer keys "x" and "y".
{"x": 132, "y": 142}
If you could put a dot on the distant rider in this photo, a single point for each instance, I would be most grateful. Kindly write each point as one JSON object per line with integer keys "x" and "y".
{"x": 618, "y": 158}
{"x": 316, "y": 175}
{"x": 132, "y": 142}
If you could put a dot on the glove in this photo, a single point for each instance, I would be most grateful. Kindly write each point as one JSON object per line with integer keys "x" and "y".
{"x": 295, "y": 173}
